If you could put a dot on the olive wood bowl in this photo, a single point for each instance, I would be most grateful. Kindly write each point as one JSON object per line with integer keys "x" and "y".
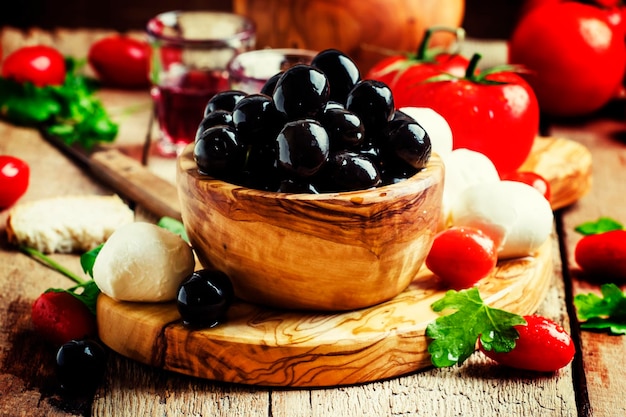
{"x": 327, "y": 252}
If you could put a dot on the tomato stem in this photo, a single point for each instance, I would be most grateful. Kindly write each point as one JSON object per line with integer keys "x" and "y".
{"x": 470, "y": 72}
{"x": 423, "y": 48}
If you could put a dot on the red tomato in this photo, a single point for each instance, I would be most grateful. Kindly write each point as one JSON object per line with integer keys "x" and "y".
{"x": 59, "y": 317}
{"x": 531, "y": 178}
{"x": 401, "y": 72}
{"x": 543, "y": 346}
{"x": 494, "y": 113}
{"x": 602, "y": 256}
{"x": 14, "y": 178}
{"x": 461, "y": 256}
{"x": 41, "y": 65}
{"x": 120, "y": 61}
{"x": 582, "y": 59}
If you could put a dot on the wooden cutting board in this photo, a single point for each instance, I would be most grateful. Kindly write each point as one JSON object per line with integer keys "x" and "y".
{"x": 266, "y": 347}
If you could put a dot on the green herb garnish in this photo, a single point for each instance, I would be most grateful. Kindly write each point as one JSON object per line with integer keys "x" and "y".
{"x": 173, "y": 226}
{"x": 70, "y": 112}
{"x": 454, "y": 336}
{"x": 603, "y": 224}
{"x": 606, "y": 313}
{"x": 85, "y": 290}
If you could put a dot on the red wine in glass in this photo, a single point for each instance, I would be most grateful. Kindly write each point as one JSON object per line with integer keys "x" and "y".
{"x": 180, "y": 104}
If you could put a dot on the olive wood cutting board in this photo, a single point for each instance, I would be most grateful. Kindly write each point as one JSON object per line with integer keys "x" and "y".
{"x": 262, "y": 346}
{"x": 266, "y": 347}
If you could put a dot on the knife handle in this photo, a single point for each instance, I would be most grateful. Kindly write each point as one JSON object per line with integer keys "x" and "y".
{"x": 135, "y": 182}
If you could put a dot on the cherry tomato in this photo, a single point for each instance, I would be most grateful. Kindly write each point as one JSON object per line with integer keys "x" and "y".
{"x": 461, "y": 256}
{"x": 59, "y": 317}
{"x": 41, "y": 65}
{"x": 543, "y": 346}
{"x": 492, "y": 112}
{"x": 602, "y": 256}
{"x": 402, "y": 72}
{"x": 120, "y": 61}
{"x": 582, "y": 59}
{"x": 14, "y": 178}
{"x": 531, "y": 178}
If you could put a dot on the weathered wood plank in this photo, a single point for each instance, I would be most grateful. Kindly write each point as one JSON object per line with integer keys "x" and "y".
{"x": 602, "y": 353}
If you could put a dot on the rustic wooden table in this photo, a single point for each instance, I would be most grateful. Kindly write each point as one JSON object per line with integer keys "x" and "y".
{"x": 592, "y": 386}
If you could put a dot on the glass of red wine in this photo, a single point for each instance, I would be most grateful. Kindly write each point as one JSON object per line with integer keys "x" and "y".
{"x": 190, "y": 54}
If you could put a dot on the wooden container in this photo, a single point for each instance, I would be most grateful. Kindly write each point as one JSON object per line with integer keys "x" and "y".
{"x": 362, "y": 29}
{"x": 336, "y": 251}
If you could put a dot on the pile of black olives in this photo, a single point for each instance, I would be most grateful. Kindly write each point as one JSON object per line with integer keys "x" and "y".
{"x": 312, "y": 129}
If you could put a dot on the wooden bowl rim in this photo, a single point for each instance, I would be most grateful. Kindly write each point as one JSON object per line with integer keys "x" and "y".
{"x": 430, "y": 175}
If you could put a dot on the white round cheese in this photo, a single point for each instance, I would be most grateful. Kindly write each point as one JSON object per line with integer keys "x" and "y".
{"x": 516, "y": 215}
{"x": 464, "y": 168}
{"x": 142, "y": 262}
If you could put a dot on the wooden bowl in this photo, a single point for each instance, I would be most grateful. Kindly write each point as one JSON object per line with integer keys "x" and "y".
{"x": 332, "y": 252}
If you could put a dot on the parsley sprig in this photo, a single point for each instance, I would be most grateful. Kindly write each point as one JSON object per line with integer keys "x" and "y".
{"x": 85, "y": 290}
{"x": 70, "y": 112}
{"x": 454, "y": 336}
{"x": 606, "y": 313}
{"x": 602, "y": 225}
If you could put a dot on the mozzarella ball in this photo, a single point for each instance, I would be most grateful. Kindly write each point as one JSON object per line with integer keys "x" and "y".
{"x": 143, "y": 262}
{"x": 517, "y": 216}
{"x": 435, "y": 125}
{"x": 463, "y": 169}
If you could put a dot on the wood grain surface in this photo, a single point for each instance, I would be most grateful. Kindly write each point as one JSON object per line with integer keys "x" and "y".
{"x": 329, "y": 251}
{"x": 269, "y": 347}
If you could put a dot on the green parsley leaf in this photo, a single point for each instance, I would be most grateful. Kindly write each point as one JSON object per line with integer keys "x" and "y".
{"x": 70, "y": 112}
{"x": 454, "y": 336}
{"x": 603, "y": 313}
{"x": 603, "y": 224}
{"x": 88, "y": 259}
{"x": 173, "y": 226}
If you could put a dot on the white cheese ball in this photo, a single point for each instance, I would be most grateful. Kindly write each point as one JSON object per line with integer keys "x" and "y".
{"x": 515, "y": 214}
{"x": 435, "y": 125}
{"x": 143, "y": 262}
{"x": 464, "y": 168}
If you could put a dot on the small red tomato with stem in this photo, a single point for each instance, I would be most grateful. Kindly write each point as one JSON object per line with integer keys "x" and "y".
{"x": 543, "y": 346}
{"x": 461, "y": 256}
{"x": 120, "y": 61}
{"x": 59, "y": 317}
{"x": 40, "y": 65}
{"x": 602, "y": 256}
{"x": 14, "y": 180}
{"x": 531, "y": 178}
{"x": 402, "y": 72}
